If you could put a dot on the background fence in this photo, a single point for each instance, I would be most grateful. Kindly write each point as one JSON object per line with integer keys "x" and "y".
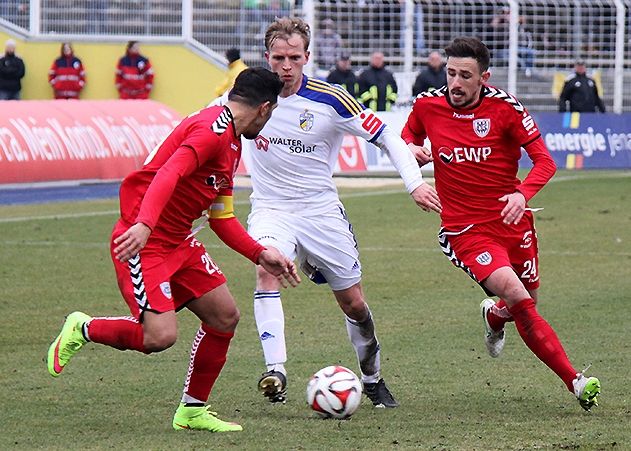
{"x": 554, "y": 33}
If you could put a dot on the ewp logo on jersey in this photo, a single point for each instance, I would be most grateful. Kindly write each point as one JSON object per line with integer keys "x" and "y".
{"x": 306, "y": 121}
{"x": 482, "y": 127}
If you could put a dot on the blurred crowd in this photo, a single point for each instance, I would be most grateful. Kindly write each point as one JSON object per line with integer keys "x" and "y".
{"x": 374, "y": 85}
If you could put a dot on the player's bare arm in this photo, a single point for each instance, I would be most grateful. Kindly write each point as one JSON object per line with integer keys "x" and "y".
{"x": 422, "y": 154}
{"x": 426, "y": 197}
{"x": 515, "y": 207}
{"x": 132, "y": 241}
{"x": 275, "y": 263}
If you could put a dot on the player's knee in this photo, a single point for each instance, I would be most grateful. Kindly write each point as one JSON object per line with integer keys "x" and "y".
{"x": 265, "y": 280}
{"x": 356, "y": 310}
{"x": 228, "y": 321}
{"x": 514, "y": 293}
{"x": 159, "y": 341}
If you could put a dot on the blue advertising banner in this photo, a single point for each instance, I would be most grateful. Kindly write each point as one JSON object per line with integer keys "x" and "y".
{"x": 586, "y": 140}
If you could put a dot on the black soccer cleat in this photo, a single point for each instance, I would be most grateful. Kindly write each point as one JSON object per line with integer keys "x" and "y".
{"x": 273, "y": 385}
{"x": 379, "y": 394}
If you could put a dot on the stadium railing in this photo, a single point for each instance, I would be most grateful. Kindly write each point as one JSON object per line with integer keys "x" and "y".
{"x": 554, "y": 32}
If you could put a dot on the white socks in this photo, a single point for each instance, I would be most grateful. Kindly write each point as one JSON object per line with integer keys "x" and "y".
{"x": 270, "y": 322}
{"x": 364, "y": 340}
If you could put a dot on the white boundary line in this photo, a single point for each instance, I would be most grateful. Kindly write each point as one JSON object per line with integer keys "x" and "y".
{"x": 423, "y": 250}
{"x": 116, "y": 212}
{"x": 383, "y": 192}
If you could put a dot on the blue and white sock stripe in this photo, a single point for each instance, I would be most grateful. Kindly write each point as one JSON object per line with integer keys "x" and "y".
{"x": 266, "y": 295}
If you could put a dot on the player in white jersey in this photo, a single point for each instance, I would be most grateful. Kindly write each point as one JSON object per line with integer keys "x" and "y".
{"x": 296, "y": 208}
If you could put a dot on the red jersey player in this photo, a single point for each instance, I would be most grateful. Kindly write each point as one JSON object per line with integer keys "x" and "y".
{"x": 161, "y": 268}
{"x": 487, "y": 230}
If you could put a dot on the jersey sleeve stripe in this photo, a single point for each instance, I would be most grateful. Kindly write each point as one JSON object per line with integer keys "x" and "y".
{"x": 339, "y": 90}
{"x": 532, "y": 140}
{"x": 350, "y": 104}
{"x": 352, "y": 107}
{"x": 377, "y": 135}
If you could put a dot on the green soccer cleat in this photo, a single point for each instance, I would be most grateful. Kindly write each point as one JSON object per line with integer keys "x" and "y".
{"x": 201, "y": 419}
{"x": 586, "y": 390}
{"x": 67, "y": 343}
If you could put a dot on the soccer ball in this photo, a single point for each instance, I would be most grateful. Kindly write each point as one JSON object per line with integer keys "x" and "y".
{"x": 334, "y": 392}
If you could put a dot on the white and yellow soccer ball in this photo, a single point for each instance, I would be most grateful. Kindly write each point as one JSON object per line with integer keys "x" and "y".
{"x": 334, "y": 392}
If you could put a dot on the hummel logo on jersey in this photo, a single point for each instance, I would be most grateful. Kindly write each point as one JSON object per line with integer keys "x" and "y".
{"x": 217, "y": 182}
{"x": 481, "y": 127}
{"x": 266, "y": 335}
{"x": 234, "y": 147}
{"x": 527, "y": 240}
{"x": 262, "y": 143}
{"x": 463, "y": 116}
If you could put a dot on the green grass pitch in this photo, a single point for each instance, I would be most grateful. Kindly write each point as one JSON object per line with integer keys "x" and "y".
{"x": 54, "y": 259}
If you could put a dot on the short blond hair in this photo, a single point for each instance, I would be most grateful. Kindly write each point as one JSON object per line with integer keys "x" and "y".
{"x": 284, "y": 27}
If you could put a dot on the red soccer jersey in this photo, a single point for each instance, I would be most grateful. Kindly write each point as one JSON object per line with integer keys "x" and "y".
{"x": 181, "y": 178}
{"x": 476, "y": 152}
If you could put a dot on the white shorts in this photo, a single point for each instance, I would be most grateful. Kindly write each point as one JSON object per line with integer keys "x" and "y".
{"x": 324, "y": 242}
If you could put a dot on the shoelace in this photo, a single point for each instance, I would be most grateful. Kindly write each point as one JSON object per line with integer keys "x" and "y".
{"x": 206, "y": 411}
{"x": 73, "y": 346}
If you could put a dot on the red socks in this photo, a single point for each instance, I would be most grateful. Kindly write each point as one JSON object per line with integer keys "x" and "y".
{"x": 542, "y": 340}
{"x": 122, "y": 332}
{"x": 208, "y": 355}
{"x": 499, "y": 315}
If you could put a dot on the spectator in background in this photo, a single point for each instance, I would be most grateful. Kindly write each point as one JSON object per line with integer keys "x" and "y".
{"x": 581, "y": 92}
{"x": 66, "y": 75}
{"x": 13, "y": 10}
{"x": 499, "y": 35}
{"x": 97, "y": 12}
{"x": 11, "y": 72}
{"x": 377, "y": 87}
{"x": 134, "y": 75}
{"x": 432, "y": 77}
{"x": 344, "y": 76}
{"x": 235, "y": 67}
{"x": 328, "y": 45}
{"x": 525, "y": 47}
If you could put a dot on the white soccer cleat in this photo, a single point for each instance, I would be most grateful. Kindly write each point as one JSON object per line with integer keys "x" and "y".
{"x": 494, "y": 340}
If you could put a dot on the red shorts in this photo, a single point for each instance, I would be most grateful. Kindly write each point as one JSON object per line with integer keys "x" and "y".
{"x": 159, "y": 282}
{"x": 482, "y": 248}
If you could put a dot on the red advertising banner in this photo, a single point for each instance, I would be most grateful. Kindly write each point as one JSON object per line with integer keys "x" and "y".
{"x": 47, "y": 140}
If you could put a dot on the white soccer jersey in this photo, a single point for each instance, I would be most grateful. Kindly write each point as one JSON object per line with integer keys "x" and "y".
{"x": 293, "y": 158}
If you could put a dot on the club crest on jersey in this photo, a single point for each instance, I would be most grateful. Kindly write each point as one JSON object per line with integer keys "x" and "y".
{"x": 165, "y": 287}
{"x": 484, "y": 258}
{"x": 306, "y": 121}
{"x": 481, "y": 127}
